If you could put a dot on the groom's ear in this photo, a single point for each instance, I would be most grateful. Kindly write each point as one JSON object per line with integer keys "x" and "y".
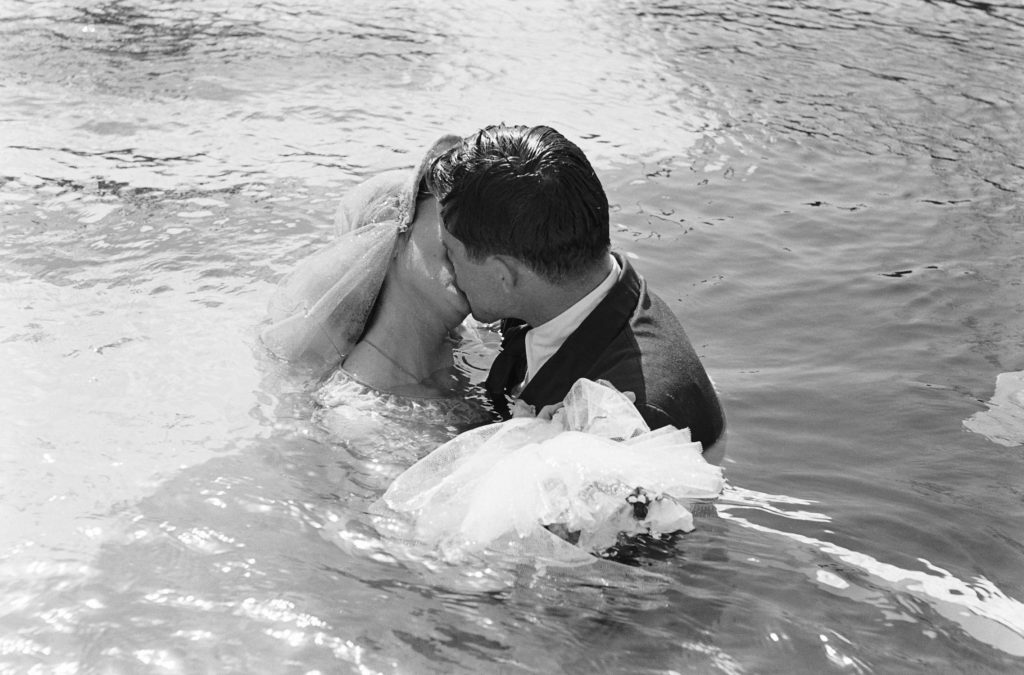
{"x": 507, "y": 269}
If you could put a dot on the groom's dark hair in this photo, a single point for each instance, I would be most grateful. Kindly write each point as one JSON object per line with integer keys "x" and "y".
{"x": 527, "y": 192}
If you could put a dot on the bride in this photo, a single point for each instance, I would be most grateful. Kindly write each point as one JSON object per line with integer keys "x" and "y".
{"x": 378, "y": 309}
{"x": 380, "y": 301}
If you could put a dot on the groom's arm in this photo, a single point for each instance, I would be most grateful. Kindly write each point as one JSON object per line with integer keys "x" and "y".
{"x": 658, "y": 364}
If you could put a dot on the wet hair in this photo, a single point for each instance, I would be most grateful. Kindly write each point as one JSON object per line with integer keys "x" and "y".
{"x": 526, "y": 192}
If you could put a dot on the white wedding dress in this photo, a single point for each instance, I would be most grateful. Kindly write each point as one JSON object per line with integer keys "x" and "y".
{"x": 505, "y": 486}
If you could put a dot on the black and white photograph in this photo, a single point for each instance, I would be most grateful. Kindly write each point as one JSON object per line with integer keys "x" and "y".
{"x": 531, "y": 337}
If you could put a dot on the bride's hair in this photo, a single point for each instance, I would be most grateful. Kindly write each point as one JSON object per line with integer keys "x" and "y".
{"x": 527, "y": 192}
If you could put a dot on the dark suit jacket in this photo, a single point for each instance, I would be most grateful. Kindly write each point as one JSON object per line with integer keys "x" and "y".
{"x": 633, "y": 340}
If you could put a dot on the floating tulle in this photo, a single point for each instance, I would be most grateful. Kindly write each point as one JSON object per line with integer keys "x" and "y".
{"x": 498, "y": 486}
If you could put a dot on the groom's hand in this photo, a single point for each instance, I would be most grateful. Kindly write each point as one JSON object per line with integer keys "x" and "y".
{"x": 548, "y": 411}
{"x": 521, "y": 408}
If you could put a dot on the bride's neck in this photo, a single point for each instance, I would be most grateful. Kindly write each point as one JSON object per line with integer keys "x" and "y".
{"x": 403, "y": 349}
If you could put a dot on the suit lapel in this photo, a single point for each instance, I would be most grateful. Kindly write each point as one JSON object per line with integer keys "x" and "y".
{"x": 577, "y": 354}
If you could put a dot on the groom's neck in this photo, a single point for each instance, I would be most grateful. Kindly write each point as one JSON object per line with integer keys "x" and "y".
{"x": 543, "y": 300}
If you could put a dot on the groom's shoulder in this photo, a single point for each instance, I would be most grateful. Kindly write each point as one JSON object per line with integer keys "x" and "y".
{"x": 653, "y": 357}
{"x": 652, "y": 346}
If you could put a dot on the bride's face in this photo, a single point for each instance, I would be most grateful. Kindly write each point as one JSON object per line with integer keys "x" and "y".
{"x": 426, "y": 267}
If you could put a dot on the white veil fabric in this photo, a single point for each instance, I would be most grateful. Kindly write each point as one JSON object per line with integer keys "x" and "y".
{"x": 501, "y": 486}
{"x": 319, "y": 310}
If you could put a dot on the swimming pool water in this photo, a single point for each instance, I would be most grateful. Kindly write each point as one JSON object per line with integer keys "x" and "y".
{"x": 827, "y": 193}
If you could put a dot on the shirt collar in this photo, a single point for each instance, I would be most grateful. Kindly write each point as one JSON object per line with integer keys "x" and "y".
{"x": 543, "y": 341}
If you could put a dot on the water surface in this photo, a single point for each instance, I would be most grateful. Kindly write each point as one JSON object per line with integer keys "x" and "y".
{"x": 828, "y": 194}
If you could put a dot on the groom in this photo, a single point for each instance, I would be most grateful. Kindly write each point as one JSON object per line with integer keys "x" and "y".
{"x": 526, "y": 229}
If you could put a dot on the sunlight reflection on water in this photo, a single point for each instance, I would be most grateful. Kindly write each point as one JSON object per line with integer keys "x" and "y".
{"x": 828, "y": 195}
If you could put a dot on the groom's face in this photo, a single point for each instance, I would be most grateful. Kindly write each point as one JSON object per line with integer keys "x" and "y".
{"x": 478, "y": 280}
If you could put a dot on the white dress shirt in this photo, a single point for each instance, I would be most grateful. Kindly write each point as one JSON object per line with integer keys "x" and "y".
{"x": 544, "y": 340}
